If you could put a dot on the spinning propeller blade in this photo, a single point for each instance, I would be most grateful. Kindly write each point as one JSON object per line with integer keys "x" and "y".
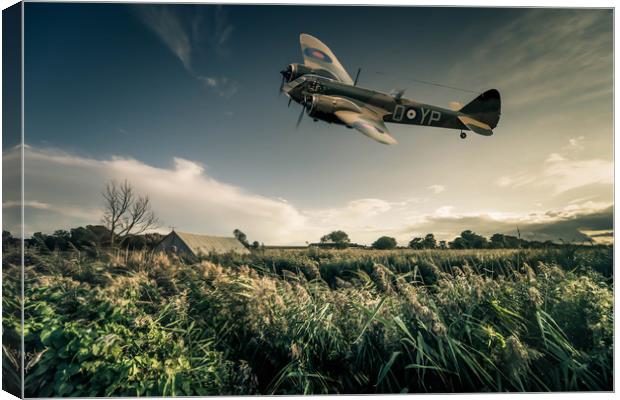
{"x": 305, "y": 106}
{"x": 301, "y": 116}
{"x": 282, "y": 82}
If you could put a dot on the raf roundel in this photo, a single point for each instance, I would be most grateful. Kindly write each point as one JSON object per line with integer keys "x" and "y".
{"x": 411, "y": 113}
{"x": 317, "y": 54}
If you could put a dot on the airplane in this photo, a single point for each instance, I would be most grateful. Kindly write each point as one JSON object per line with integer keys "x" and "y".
{"x": 326, "y": 92}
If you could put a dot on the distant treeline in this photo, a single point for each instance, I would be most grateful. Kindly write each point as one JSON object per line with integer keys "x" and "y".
{"x": 467, "y": 240}
{"x": 96, "y": 237}
{"x": 90, "y": 237}
{"x": 471, "y": 240}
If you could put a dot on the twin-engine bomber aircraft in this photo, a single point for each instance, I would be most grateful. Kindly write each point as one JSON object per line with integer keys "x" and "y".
{"x": 326, "y": 91}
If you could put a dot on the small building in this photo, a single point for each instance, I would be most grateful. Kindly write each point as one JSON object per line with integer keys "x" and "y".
{"x": 183, "y": 243}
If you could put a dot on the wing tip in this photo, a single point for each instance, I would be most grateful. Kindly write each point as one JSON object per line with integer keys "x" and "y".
{"x": 391, "y": 141}
{"x": 306, "y": 37}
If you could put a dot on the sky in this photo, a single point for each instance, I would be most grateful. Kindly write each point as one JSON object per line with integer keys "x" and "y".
{"x": 182, "y": 101}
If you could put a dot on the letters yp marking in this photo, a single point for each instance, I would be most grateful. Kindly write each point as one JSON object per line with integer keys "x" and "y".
{"x": 434, "y": 116}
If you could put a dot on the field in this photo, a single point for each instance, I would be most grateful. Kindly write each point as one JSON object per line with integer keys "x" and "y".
{"x": 314, "y": 321}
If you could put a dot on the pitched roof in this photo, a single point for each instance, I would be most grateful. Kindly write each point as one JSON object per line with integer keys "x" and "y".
{"x": 203, "y": 244}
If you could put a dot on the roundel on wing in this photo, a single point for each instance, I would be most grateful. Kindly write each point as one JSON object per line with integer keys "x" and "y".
{"x": 317, "y": 54}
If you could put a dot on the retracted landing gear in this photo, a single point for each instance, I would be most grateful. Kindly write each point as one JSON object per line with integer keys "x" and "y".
{"x": 463, "y": 135}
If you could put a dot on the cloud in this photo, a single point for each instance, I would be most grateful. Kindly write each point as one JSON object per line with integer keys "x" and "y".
{"x": 572, "y": 223}
{"x": 575, "y": 144}
{"x": 63, "y": 190}
{"x": 562, "y": 172}
{"x": 74, "y": 212}
{"x": 191, "y": 40}
{"x": 355, "y": 211}
{"x": 443, "y": 211}
{"x": 560, "y": 54}
{"x": 437, "y": 188}
{"x": 515, "y": 180}
{"x": 363, "y": 219}
{"x": 224, "y": 87}
{"x": 222, "y": 27}
{"x": 574, "y": 228}
{"x": 168, "y": 27}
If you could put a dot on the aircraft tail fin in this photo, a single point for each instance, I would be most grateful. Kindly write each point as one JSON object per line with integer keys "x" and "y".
{"x": 485, "y": 108}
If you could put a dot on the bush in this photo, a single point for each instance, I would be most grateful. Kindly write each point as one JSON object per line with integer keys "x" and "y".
{"x": 384, "y": 243}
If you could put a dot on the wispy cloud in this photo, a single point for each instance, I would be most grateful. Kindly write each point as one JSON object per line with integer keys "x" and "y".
{"x": 515, "y": 180}
{"x": 78, "y": 212}
{"x": 575, "y": 145}
{"x": 354, "y": 213}
{"x": 563, "y": 171}
{"x": 196, "y": 40}
{"x": 551, "y": 54}
{"x": 437, "y": 188}
{"x": 222, "y": 86}
{"x": 168, "y": 27}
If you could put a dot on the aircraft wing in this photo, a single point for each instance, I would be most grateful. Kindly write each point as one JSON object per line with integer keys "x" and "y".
{"x": 317, "y": 55}
{"x": 367, "y": 122}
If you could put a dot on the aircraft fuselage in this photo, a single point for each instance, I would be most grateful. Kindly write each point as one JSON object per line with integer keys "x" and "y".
{"x": 397, "y": 110}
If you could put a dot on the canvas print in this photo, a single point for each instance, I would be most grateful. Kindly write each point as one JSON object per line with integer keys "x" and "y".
{"x": 204, "y": 199}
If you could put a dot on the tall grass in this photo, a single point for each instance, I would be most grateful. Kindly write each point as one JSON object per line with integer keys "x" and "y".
{"x": 302, "y": 322}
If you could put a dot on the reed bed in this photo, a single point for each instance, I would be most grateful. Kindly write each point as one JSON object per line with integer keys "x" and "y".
{"x": 316, "y": 321}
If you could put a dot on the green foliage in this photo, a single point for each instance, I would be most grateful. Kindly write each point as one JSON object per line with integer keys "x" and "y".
{"x": 428, "y": 242}
{"x": 317, "y": 321}
{"x": 113, "y": 347}
{"x": 384, "y": 243}
{"x": 11, "y": 320}
{"x": 339, "y": 238}
{"x": 499, "y": 241}
{"x": 469, "y": 240}
{"x": 242, "y": 237}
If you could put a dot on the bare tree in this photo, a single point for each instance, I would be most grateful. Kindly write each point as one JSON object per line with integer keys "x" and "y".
{"x": 125, "y": 212}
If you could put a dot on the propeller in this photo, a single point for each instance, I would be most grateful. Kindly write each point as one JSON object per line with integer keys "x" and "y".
{"x": 286, "y": 76}
{"x": 282, "y": 83}
{"x": 357, "y": 77}
{"x": 301, "y": 116}
{"x": 397, "y": 94}
{"x": 305, "y": 104}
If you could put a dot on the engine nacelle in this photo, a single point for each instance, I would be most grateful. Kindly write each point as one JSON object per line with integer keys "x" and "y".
{"x": 323, "y": 107}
